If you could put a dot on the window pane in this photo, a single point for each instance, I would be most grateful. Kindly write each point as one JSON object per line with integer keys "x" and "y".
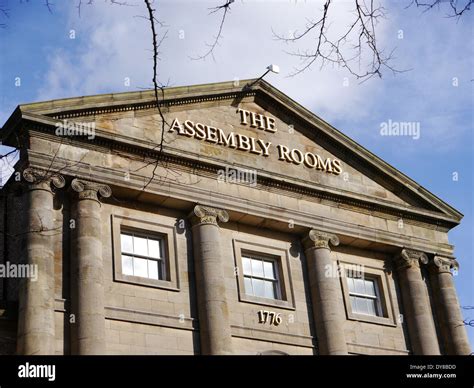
{"x": 161, "y": 270}
{"x": 258, "y": 287}
{"x": 350, "y": 284}
{"x": 270, "y": 290}
{"x": 371, "y": 307}
{"x": 127, "y": 265}
{"x": 127, "y": 243}
{"x": 152, "y": 269}
{"x": 362, "y": 306}
{"x": 248, "y": 286}
{"x": 247, "y": 266}
{"x": 140, "y": 267}
{"x": 154, "y": 248}
{"x": 140, "y": 246}
{"x": 257, "y": 267}
{"x": 354, "y": 304}
{"x": 370, "y": 287}
{"x": 357, "y": 307}
{"x": 359, "y": 286}
{"x": 268, "y": 267}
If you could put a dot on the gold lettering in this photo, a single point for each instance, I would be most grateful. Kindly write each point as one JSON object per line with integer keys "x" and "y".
{"x": 211, "y": 134}
{"x": 265, "y": 146}
{"x": 177, "y": 126}
{"x": 297, "y": 159}
{"x": 253, "y": 148}
{"x": 310, "y": 160}
{"x": 253, "y": 145}
{"x": 243, "y": 115}
{"x": 283, "y": 153}
{"x": 270, "y": 124}
{"x": 200, "y": 131}
{"x": 325, "y": 166}
{"x": 336, "y": 165}
{"x": 257, "y": 120}
{"x": 228, "y": 141}
{"x": 189, "y": 125}
{"x": 243, "y": 142}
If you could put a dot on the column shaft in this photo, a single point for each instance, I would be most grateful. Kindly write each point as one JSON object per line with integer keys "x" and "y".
{"x": 214, "y": 321}
{"x": 452, "y": 326}
{"x": 416, "y": 303}
{"x": 36, "y": 328}
{"x": 87, "y": 270}
{"x": 325, "y": 294}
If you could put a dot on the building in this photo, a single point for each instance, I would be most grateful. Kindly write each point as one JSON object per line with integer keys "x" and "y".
{"x": 257, "y": 228}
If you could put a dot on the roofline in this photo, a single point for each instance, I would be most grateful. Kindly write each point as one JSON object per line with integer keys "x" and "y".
{"x": 52, "y": 106}
{"x": 371, "y": 158}
{"x": 98, "y": 101}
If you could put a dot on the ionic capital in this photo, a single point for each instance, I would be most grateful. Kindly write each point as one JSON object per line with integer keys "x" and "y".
{"x": 410, "y": 258}
{"x": 320, "y": 239}
{"x": 90, "y": 190}
{"x": 441, "y": 264}
{"x": 42, "y": 179}
{"x": 209, "y": 215}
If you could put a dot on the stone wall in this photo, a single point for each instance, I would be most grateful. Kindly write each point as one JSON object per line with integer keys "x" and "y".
{"x": 148, "y": 314}
{"x": 134, "y": 338}
{"x": 275, "y": 215}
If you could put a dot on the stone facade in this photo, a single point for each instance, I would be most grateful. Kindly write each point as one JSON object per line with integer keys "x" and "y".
{"x": 73, "y": 194}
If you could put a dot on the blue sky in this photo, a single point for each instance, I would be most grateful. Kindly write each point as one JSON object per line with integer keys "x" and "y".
{"x": 112, "y": 43}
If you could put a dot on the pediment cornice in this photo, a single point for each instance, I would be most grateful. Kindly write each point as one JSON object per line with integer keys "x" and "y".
{"x": 426, "y": 207}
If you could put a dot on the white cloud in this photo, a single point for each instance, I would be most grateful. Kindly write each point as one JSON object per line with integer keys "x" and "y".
{"x": 115, "y": 44}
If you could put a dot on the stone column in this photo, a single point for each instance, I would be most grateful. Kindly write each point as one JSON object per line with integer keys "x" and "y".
{"x": 87, "y": 269}
{"x": 453, "y": 330}
{"x": 326, "y": 294}
{"x": 213, "y": 310}
{"x": 36, "y": 329}
{"x": 416, "y": 303}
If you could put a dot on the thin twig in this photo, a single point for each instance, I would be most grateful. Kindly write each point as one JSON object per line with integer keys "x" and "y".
{"x": 361, "y": 31}
{"x": 210, "y": 51}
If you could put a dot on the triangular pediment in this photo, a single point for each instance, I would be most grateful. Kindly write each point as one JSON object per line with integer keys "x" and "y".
{"x": 250, "y": 128}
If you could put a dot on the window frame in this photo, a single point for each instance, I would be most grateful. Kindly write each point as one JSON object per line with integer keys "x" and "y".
{"x": 166, "y": 233}
{"x": 377, "y": 297}
{"x": 266, "y": 252}
{"x": 276, "y": 270}
{"x": 160, "y": 260}
{"x": 387, "y": 317}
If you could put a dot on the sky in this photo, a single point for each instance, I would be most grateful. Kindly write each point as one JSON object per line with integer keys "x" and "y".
{"x": 107, "y": 48}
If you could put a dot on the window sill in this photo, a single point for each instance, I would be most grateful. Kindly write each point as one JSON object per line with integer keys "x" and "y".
{"x": 139, "y": 281}
{"x": 282, "y": 304}
{"x": 385, "y": 321}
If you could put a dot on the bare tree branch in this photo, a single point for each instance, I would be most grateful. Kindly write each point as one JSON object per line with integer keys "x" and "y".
{"x": 226, "y": 8}
{"x": 80, "y": 3}
{"x": 48, "y": 5}
{"x": 361, "y": 34}
{"x": 468, "y": 322}
{"x": 4, "y": 12}
{"x": 456, "y": 8}
{"x": 8, "y": 153}
{"x": 158, "y": 88}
